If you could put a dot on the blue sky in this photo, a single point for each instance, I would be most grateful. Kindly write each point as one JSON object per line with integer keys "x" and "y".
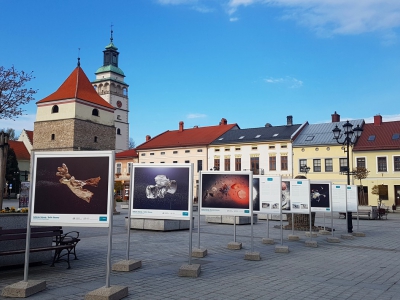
{"x": 249, "y": 61}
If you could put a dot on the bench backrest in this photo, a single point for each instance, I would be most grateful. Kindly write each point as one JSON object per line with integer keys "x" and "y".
{"x": 36, "y": 232}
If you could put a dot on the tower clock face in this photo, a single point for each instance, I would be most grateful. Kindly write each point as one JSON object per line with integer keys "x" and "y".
{"x": 119, "y": 103}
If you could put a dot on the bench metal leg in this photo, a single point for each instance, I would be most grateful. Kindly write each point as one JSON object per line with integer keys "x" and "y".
{"x": 57, "y": 257}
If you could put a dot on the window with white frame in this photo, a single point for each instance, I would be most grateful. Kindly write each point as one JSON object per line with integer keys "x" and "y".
{"x": 382, "y": 164}
{"x": 129, "y": 168}
{"x": 361, "y": 162}
{"x": 284, "y": 163}
{"x": 396, "y": 163}
{"x": 343, "y": 166}
{"x": 302, "y": 165}
{"x": 317, "y": 165}
{"x": 328, "y": 165}
{"x": 118, "y": 168}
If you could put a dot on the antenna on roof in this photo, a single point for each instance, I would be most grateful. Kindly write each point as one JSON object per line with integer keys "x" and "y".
{"x": 111, "y": 38}
{"x": 79, "y": 59}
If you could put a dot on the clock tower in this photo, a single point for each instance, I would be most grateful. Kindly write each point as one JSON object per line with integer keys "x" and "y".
{"x": 110, "y": 85}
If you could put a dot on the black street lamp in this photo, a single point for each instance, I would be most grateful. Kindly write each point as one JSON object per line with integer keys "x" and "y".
{"x": 304, "y": 169}
{"x": 350, "y": 137}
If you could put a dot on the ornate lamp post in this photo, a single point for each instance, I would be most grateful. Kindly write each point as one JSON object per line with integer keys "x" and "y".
{"x": 3, "y": 162}
{"x": 304, "y": 169}
{"x": 350, "y": 137}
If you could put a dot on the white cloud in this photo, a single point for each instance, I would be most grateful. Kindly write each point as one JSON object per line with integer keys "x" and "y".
{"x": 22, "y": 122}
{"x": 196, "y": 116}
{"x": 233, "y": 5}
{"x": 274, "y": 80}
{"x": 290, "y": 82}
{"x": 324, "y": 17}
{"x": 330, "y": 17}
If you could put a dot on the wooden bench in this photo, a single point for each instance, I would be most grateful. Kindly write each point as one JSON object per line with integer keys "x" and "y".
{"x": 60, "y": 241}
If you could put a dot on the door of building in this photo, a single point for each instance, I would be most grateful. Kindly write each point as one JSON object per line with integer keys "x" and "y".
{"x": 397, "y": 194}
{"x": 363, "y": 195}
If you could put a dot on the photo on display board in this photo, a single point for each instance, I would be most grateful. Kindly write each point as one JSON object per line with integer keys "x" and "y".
{"x": 225, "y": 190}
{"x": 161, "y": 188}
{"x": 71, "y": 185}
{"x": 285, "y": 195}
{"x": 266, "y": 205}
{"x": 320, "y": 195}
{"x": 256, "y": 194}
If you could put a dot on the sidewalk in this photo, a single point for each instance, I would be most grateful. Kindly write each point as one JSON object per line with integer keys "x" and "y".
{"x": 363, "y": 268}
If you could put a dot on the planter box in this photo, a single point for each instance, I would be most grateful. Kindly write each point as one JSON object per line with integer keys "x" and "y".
{"x": 158, "y": 224}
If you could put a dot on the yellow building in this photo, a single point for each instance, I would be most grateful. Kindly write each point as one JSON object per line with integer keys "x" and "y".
{"x": 319, "y": 156}
{"x": 378, "y": 150}
{"x": 123, "y": 168}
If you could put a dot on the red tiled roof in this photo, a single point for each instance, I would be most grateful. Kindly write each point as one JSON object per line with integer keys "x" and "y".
{"x": 383, "y": 137}
{"x": 197, "y": 136}
{"x": 20, "y": 150}
{"x": 126, "y": 154}
{"x": 77, "y": 86}
{"x": 29, "y": 133}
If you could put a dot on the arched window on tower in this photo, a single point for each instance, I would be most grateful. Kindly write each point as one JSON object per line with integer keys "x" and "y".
{"x": 118, "y": 131}
{"x": 125, "y": 92}
{"x": 95, "y": 87}
{"x": 54, "y": 109}
{"x": 95, "y": 112}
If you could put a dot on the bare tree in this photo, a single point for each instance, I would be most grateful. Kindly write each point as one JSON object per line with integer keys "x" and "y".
{"x": 131, "y": 143}
{"x": 13, "y": 92}
{"x": 10, "y": 132}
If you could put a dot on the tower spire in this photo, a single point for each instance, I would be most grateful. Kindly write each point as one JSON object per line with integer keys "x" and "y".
{"x": 111, "y": 38}
{"x": 79, "y": 59}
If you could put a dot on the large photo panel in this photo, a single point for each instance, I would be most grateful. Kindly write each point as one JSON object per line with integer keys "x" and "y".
{"x": 299, "y": 196}
{"x": 72, "y": 188}
{"x": 339, "y": 198}
{"x": 162, "y": 191}
{"x": 226, "y": 193}
{"x": 352, "y": 198}
{"x": 268, "y": 192}
{"x": 320, "y": 196}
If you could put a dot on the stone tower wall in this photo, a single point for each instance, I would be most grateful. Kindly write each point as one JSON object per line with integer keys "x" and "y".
{"x": 72, "y": 135}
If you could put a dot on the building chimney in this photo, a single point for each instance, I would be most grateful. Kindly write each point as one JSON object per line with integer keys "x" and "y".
{"x": 289, "y": 120}
{"x": 223, "y": 121}
{"x": 181, "y": 126}
{"x": 148, "y": 138}
{"x": 378, "y": 120}
{"x": 335, "y": 117}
